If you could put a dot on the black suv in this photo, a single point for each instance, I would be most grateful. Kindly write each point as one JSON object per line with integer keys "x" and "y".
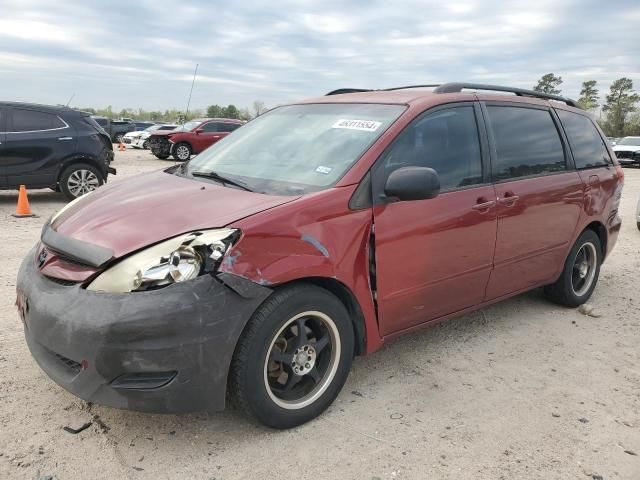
{"x": 52, "y": 147}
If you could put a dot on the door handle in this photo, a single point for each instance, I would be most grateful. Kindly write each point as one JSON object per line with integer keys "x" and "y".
{"x": 483, "y": 205}
{"x": 216, "y": 136}
{"x": 509, "y": 199}
{"x": 65, "y": 138}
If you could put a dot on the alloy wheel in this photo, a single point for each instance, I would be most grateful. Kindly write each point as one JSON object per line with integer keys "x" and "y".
{"x": 182, "y": 152}
{"x": 584, "y": 269}
{"x": 81, "y": 182}
{"x": 302, "y": 360}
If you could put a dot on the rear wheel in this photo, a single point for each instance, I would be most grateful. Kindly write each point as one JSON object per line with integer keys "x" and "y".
{"x": 79, "y": 179}
{"x": 182, "y": 152}
{"x": 293, "y": 357}
{"x": 580, "y": 274}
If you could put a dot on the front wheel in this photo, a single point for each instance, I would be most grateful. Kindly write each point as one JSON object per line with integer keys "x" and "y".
{"x": 145, "y": 145}
{"x": 293, "y": 357}
{"x": 580, "y": 274}
{"x": 79, "y": 179}
{"x": 162, "y": 156}
{"x": 182, "y": 152}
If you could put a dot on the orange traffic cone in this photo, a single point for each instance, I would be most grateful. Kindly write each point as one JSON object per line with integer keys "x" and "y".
{"x": 121, "y": 147}
{"x": 23, "y": 209}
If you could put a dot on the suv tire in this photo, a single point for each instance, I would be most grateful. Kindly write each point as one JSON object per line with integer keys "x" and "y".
{"x": 162, "y": 156}
{"x": 284, "y": 378}
{"x": 182, "y": 152}
{"x": 580, "y": 274}
{"x": 79, "y": 179}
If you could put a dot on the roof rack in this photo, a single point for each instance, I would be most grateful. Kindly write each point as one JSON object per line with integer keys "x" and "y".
{"x": 521, "y": 92}
{"x": 456, "y": 87}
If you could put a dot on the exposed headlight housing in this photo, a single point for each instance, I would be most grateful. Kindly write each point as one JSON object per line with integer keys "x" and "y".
{"x": 178, "y": 259}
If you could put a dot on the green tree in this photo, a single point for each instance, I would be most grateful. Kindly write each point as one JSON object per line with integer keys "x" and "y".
{"x": 215, "y": 111}
{"x": 549, "y": 83}
{"x": 588, "y": 95}
{"x": 231, "y": 112}
{"x": 621, "y": 102}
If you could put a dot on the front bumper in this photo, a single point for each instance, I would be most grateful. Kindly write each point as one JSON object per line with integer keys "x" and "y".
{"x": 178, "y": 340}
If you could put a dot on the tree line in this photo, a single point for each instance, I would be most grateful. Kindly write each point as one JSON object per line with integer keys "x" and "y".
{"x": 620, "y": 109}
{"x": 179, "y": 116}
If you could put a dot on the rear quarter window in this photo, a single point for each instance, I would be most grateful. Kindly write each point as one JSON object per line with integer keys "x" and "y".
{"x": 587, "y": 146}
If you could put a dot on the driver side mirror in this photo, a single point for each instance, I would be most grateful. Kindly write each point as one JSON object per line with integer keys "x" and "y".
{"x": 199, "y": 131}
{"x": 412, "y": 183}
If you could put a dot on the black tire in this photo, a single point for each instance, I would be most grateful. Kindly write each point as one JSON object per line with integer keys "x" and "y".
{"x": 162, "y": 156}
{"x": 68, "y": 180}
{"x": 638, "y": 225}
{"x": 568, "y": 289}
{"x": 252, "y": 368}
{"x": 145, "y": 145}
{"x": 182, "y": 152}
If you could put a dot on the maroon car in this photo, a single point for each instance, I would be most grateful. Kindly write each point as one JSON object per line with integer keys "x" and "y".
{"x": 191, "y": 138}
{"x": 317, "y": 232}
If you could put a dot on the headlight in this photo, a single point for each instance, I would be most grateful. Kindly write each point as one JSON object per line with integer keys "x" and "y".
{"x": 175, "y": 260}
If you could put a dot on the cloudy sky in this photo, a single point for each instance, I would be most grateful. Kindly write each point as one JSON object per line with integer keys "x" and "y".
{"x": 141, "y": 53}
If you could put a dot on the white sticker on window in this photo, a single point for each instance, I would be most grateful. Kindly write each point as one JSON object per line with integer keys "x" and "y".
{"x": 324, "y": 170}
{"x": 365, "y": 125}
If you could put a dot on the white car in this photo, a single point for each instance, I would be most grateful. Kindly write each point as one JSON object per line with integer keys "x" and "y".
{"x": 139, "y": 139}
{"x": 628, "y": 151}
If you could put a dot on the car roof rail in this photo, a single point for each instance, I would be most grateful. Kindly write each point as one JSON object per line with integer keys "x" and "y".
{"x": 340, "y": 91}
{"x": 456, "y": 87}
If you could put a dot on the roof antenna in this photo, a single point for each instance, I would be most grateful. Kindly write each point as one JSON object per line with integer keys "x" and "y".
{"x": 74, "y": 94}
{"x": 190, "y": 92}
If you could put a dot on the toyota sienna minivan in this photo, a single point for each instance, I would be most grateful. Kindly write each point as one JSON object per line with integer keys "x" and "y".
{"x": 255, "y": 272}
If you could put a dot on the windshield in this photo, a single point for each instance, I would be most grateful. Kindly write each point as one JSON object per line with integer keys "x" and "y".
{"x": 298, "y": 148}
{"x": 190, "y": 125}
{"x": 629, "y": 141}
{"x": 152, "y": 128}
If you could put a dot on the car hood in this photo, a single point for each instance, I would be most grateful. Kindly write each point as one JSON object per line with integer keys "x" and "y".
{"x": 133, "y": 134}
{"x": 626, "y": 148}
{"x": 164, "y": 133}
{"x": 128, "y": 215}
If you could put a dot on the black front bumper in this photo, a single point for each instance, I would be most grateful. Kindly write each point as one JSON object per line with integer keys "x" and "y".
{"x": 163, "y": 351}
{"x": 160, "y": 145}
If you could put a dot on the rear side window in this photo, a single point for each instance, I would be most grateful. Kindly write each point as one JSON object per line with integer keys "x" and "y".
{"x": 445, "y": 140}
{"x": 32, "y": 120}
{"x": 586, "y": 143}
{"x": 210, "y": 127}
{"x": 228, "y": 127}
{"x": 526, "y": 142}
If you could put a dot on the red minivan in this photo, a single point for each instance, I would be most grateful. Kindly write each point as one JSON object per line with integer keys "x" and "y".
{"x": 256, "y": 271}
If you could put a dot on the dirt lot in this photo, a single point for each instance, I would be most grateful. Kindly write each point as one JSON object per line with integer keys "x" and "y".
{"x": 523, "y": 389}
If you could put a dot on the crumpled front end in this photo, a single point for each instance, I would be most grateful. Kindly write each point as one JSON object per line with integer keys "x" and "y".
{"x": 165, "y": 350}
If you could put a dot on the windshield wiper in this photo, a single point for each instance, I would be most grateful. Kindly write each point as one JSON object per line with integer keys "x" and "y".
{"x": 222, "y": 179}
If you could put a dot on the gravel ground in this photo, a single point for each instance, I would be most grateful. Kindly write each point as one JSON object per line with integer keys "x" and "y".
{"x": 521, "y": 390}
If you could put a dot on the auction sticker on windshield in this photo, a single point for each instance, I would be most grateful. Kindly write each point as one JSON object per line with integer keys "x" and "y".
{"x": 365, "y": 125}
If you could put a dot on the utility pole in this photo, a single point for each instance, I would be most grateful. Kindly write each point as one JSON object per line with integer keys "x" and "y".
{"x": 190, "y": 92}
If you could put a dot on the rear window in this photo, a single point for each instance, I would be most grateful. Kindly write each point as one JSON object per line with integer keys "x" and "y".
{"x": 526, "y": 141}
{"x": 586, "y": 144}
{"x": 32, "y": 120}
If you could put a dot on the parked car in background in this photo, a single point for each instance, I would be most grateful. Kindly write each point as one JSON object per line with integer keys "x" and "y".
{"x": 116, "y": 129}
{"x": 52, "y": 147}
{"x": 628, "y": 151}
{"x": 317, "y": 232}
{"x": 140, "y": 126}
{"x": 191, "y": 138}
{"x": 613, "y": 140}
{"x": 141, "y": 139}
